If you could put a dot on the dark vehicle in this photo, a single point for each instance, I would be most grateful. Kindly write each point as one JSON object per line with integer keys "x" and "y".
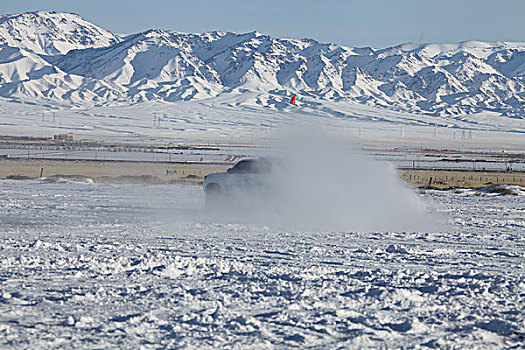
{"x": 246, "y": 175}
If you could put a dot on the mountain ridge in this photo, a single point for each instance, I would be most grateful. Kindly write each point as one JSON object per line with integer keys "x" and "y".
{"x": 65, "y": 59}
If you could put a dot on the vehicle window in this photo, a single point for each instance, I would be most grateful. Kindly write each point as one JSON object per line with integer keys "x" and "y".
{"x": 251, "y": 167}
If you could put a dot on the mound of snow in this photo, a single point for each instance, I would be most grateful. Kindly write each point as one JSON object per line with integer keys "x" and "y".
{"x": 495, "y": 190}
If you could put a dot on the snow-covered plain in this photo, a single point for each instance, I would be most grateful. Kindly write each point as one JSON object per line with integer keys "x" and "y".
{"x": 225, "y": 121}
{"x": 96, "y": 266}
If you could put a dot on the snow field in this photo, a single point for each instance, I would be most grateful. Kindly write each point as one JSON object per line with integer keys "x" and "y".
{"x": 89, "y": 265}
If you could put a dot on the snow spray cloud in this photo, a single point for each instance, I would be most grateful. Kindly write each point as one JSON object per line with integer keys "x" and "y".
{"x": 321, "y": 182}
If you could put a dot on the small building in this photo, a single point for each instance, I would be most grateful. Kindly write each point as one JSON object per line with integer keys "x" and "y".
{"x": 63, "y": 137}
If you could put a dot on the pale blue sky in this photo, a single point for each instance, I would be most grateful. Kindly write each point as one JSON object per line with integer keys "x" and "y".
{"x": 377, "y": 23}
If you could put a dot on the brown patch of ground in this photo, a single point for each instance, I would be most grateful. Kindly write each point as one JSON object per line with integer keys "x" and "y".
{"x": 445, "y": 179}
{"x": 116, "y": 172}
{"x": 193, "y": 173}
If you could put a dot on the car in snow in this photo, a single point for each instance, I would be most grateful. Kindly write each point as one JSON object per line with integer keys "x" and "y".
{"x": 246, "y": 175}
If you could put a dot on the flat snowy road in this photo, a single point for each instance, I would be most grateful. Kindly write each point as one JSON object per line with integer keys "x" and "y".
{"x": 99, "y": 266}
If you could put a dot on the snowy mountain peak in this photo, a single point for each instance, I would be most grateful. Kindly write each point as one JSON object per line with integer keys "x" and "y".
{"x": 60, "y": 57}
{"x": 51, "y": 33}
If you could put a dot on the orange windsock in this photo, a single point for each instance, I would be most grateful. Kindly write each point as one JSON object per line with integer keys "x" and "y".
{"x": 293, "y": 99}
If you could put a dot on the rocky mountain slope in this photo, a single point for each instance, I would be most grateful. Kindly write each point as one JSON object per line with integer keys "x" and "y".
{"x": 61, "y": 58}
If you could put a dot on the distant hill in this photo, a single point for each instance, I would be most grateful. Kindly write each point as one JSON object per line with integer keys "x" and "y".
{"x": 59, "y": 57}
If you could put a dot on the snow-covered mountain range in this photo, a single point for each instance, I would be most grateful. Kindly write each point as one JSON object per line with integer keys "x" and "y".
{"x": 60, "y": 58}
